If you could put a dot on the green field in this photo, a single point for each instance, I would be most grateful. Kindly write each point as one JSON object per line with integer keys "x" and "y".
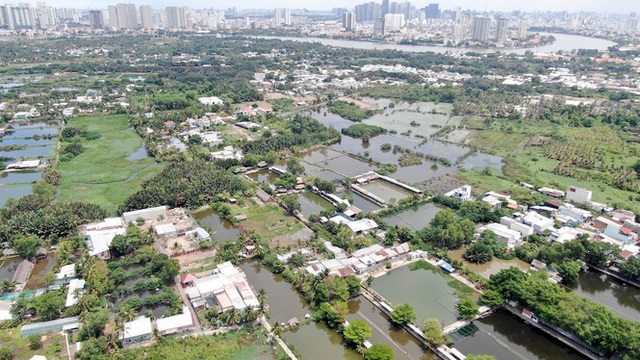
{"x": 52, "y": 345}
{"x": 102, "y": 174}
{"x": 530, "y": 164}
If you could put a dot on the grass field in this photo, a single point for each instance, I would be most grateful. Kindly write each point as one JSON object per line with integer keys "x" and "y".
{"x": 530, "y": 164}
{"x": 52, "y": 345}
{"x": 268, "y": 221}
{"x": 102, "y": 174}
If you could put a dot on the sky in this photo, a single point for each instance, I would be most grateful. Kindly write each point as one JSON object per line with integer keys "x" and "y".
{"x": 613, "y": 6}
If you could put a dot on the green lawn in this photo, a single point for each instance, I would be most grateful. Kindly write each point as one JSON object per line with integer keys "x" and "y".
{"x": 268, "y": 221}
{"x": 102, "y": 174}
{"x": 53, "y": 345}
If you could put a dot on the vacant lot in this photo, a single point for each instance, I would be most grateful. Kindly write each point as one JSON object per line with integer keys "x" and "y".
{"x": 102, "y": 174}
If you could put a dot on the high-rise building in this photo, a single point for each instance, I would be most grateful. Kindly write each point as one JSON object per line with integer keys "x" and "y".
{"x": 349, "y": 21}
{"x": 378, "y": 27}
{"x": 277, "y": 17}
{"x": 457, "y": 33}
{"x": 480, "y": 28}
{"x": 384, "y": 8}
{"x": 21, "y": 17}
{"x": 522, "y": 30}
{"x": 123, "y": 16}
{"x": 46, "y": 16}
{"x": 501, "y": 30}
{"x": 433, "y": 11}
{"x": 287, "y": 17}
{"x": 176, "y": 17}
{"x": 367, "y": 12}
{"x": 146, "y": 17}
{"x": 632, "y": 24}
{"x": 458, "y": 14}
{"x": 393, "y": 22}
{"x": 96, "y": 19}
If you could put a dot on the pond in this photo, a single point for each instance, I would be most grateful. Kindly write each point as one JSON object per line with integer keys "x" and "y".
{"x": 311, "y": 203}
{"x": 264, "y": 176}
{"x": 423, "y": 118}
{"x": 19, "y": 177}
{"x": 14, "y": 192}
{"x": 359, "y": 201}
{"x": 43, "y": 266}
{"x": 427, "y": 291}
{"x": 29, "y": 152}
{"x": 389, "y": 193}
{"x": 622, "y": 299}
{"x": 416, "y": 218}
{"x": 222, "y": 229}
{"x": 507, "y": 337}
{"x": 492, "y": 267}
{"x": 8, "y": 268}
{"x": 138, "y": 154}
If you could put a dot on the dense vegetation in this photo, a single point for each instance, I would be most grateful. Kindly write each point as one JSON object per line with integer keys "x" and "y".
{"x": 593, "y": 323}
{"x": 189, "y": 184}
{"x": 363, "y": 131}
{"x": 350, "y": 111}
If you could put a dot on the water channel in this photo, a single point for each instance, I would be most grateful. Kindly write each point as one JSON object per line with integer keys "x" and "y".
{"x": 563, "y": 43}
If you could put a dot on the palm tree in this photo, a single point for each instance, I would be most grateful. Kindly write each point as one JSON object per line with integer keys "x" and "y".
{"x": 233, "y": 316}
{"x": 7, "y": 286}
{"x": 277, "y": 329}
{"x": 262, "y": 299}
{"x": 127, "y": 313}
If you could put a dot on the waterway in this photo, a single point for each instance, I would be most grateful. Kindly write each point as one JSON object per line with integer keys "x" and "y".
{"x": 417, "y": 218}
{"x": 563, "y": 43}
{"x": 312, "y": 340}
{"x": 507, "y": 337}
{"x": 622, "y": 299}
{"x": 222, "y": 229}
{"x": 391, "y": 194}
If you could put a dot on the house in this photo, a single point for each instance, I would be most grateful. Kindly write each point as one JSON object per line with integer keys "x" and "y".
{"x": 580, "y": 216}
{"x": 446, "y": 267}
{"x": 198, "y": 234}
{"x": 211, "y": 138}
{"x": 615, "y": 229}
{"x": 22, "y": 274}
{"x": 175, "y": 324}
{"x": 155, "y": 213}
{"x": 208, "y": 101}
{"x": 504, "y": 235}
{"x": 227, "y": 153}
{"x": 263, "y": 196}
{"x": 247, "y": 110}
{"x": 75, "y": 286}
{"x": 187, "y": 280}
{"x": 358, "y": 227}
{"x": 552, "y": 203}
{"x": 513, "y": 224}
{"x": 136, "y": 331}
{"x": 462, "y": 193}
{"x": 551, "y": 192}
{"x": 49, "y": 326}
{"x": 166, "y": 231}
{"x": 538, "y": 222}
{"x": 578, "y": 195}
{"x": 24, "y": 165}
{"x": 5, "y": 310}
{"x": 66, "y": 274}
{"x": 99, "y": 241}
{"x": 41, "y": 253}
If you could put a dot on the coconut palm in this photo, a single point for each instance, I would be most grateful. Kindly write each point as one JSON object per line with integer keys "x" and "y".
{"x": 7, "y": 286}
{"x": 233, "y": 316}
{"x": 278, "y": 329}
{"x": 127, "y": 313}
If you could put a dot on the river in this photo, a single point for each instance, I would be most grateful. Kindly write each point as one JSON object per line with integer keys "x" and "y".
{"x": 563, "y": 42}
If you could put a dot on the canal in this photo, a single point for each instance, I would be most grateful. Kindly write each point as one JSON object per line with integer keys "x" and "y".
{"x": 622, "y": 299}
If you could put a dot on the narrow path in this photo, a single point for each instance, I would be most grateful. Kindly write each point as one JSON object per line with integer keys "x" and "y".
{"x": 282, "y": 344}
{"x": 384, "y": 334}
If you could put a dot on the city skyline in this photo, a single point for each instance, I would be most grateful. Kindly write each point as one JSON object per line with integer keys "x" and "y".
{"x": 620, "y": 7}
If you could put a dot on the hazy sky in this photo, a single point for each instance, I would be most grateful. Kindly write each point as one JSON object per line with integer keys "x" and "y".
{"x": 617, "y": 6}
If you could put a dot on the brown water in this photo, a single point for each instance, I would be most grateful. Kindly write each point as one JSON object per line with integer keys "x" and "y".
{"x": 492, "y": 267}
{"x": 222, "y": 229}
{"x": 43, "y": 266}
{"x": 311, "y": 203}
{"x": 387, "y": 192}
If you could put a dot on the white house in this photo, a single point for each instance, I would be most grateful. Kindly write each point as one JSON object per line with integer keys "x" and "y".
{"x": 504, "y": 235}
{"x": 577, "y": 214}
{"x": 99, "y": 241}
{"x": 66, "y": 274}
{"x": 166, "y": 231}
{"x": 208, "y": 101}
{"x": 175, "y": 324}
{"x": 136, "y": 331}
{"x": 513, "y": 224}
{"x": 538, "y": 222}
{"x": 146, "y": 214}
{"x": 76, "y": 285}
{"x": 463, "y": 193}
{"x": 578, "y": 195}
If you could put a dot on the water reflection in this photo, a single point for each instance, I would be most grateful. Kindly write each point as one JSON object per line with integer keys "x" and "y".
{"x": 620, "y": 298}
